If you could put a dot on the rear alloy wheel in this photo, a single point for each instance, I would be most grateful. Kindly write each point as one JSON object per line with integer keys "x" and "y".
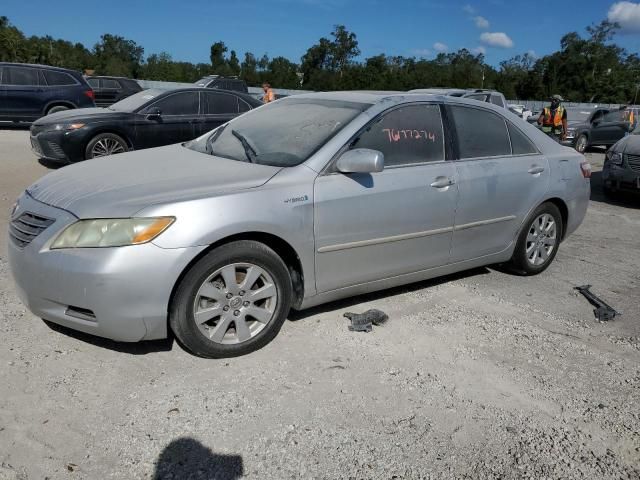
{"x": 232, "y": 302}
{"x": 56, "y": 109}
{"x": 582, "y": 143}
{"x": 105, "y": 144}
{"x": 539, "y": 241}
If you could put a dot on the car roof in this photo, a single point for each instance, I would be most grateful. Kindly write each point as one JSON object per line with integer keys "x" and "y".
{"x": 439, "y": 91}
{"x": 244, "y": 96}
{"x": 36, "y": 65}
{"x": 110, "y": 76}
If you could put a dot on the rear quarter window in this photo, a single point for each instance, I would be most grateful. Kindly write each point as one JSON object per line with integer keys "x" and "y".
{"x": 54, "y": 78}
{"x": 520, "y": 143}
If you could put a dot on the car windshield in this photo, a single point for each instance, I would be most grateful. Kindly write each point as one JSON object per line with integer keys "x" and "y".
{"x": 578, "y": 114}
{"x": 203, "y": 81}
{"x": 282, "y": 134}
{"x": 135, "y": 101}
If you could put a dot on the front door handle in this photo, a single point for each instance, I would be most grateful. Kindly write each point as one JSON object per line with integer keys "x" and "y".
{"x": 535, "y": 170}
{"x": 442, "y": 182}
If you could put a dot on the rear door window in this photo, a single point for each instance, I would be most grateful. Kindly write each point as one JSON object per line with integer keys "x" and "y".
{"x": 184, "y": 103}
{"x": 407, "y": 135}
{"x": 22, "y": 76}
{"x": 480, "y": 133}
{"x": 219, "y": 103}
{"x": 54, "y": 78}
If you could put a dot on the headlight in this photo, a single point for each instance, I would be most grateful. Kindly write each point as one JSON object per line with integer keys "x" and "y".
{"x": 571, "y": 132}
{"x": 68, "y": 126}
{"x": 615, "y": 158}
{"x": 111, "y": 232}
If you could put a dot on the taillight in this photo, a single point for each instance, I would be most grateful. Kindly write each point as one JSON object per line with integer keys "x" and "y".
{"x": 585, "y": 168}
{"x": 90, "y": 94}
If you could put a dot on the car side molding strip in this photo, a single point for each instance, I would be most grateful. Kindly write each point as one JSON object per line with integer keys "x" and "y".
{"x": 481, "y": 223}
{"x": 376, "y": 241}
{"x": 410, "y": 236}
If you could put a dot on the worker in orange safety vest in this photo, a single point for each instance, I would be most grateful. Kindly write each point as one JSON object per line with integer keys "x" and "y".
{"x": 554, "y": 119}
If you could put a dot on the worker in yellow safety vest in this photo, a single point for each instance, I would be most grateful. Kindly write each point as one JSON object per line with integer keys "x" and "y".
{"x": 554, "y": 119}
{"x": 628, "y": 116}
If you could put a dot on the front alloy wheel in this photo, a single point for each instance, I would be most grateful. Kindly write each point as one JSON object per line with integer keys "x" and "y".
{"x": 581, "y": 143}
{"x": 233, "y": 301}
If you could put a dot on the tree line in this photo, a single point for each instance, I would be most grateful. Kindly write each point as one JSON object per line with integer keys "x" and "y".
{"x": 590, "y": 68}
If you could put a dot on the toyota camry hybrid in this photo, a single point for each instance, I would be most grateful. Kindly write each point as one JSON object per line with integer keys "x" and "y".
{"x": 303, "y": 201}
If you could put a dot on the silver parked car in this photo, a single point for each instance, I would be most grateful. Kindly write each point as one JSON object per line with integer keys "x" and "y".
{"x": 303, "y": 201}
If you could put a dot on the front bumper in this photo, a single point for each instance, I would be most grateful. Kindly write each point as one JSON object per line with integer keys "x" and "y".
{"x": 620, "y": 177}
{"x": 118, "y": 293}
{"x": 59, "y": 146}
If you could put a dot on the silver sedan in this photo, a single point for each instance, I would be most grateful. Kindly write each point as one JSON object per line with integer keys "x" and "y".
{"x": 303, "y": 201}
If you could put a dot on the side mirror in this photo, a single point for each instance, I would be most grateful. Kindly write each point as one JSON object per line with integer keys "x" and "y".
{"x": 154, "y": 114}
{"x": 361, "y": 160}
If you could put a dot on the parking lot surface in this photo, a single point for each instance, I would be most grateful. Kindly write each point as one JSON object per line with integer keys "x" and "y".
{"x": 479, "y": 375}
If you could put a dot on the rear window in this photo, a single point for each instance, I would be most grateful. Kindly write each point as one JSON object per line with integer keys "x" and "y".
{"x": 93, "y": 82}
{"x": 497, "y": 100}
{"x": 480, "y": 133}
{"x": 54, "y": 78}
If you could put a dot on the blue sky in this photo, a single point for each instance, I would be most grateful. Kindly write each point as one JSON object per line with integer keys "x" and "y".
{"x": 501, "y": 28}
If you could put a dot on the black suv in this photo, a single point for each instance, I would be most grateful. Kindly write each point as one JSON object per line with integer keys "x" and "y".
{"x": 109, "y": 90}
{"x": 28, "y": 92}
{"x": 223, "y": 83}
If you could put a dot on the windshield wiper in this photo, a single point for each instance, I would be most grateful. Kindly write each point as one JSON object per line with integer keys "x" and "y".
{"x": 213, "y": 138}
{"x": 248, "y": 149}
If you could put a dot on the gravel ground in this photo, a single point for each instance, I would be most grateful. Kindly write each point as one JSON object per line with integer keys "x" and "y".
{"x": 477, "y": 375}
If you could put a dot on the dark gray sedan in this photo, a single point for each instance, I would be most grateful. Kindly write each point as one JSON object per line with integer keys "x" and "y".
{"x": 621, "y": 171}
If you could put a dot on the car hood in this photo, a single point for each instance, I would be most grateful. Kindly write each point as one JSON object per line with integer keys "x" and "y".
{"x": 576, "y": 123}
{"x": 121, "y": 185}
{"x": 629, "y": 144}
{"x": 78, "y": 114}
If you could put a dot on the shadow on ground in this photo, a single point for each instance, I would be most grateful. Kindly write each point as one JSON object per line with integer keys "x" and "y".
{"x": 186, "y": 458}
{"x": 14, "y": 126}
{"x": 295, "y": 315}
{"x": 137, "y": 348}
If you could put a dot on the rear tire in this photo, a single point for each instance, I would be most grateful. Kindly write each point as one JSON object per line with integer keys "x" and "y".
{"x": 538, "y": 241}
{"x": 232, "y": 302}
{"x": 105, "y": 144}
{"x": 56, "y": 109}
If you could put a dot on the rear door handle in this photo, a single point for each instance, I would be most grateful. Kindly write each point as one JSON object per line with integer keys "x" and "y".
{"x": 535, "y": 170}
{"x": 442, "y": 182}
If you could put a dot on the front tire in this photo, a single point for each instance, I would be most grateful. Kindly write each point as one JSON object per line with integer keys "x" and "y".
{"x": 105, "y": 144}
{"x": 538, "y": 242}
{"x": 582, "y": 142}
{"x": 232, "y": 302}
